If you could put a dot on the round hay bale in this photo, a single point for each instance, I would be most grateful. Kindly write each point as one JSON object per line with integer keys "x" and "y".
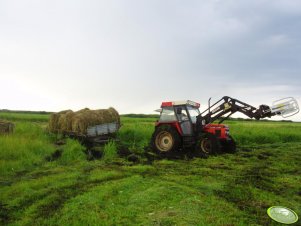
{"x": 83, "y": 110}
{"x": 78, "y": 122}
{"x": 83, "y": 119}
{"x": 115, "y": 114}
{"x": 57, "y": 121}
{"x": 63, "y": 121}
{"x": 6, "y": 127}
{"x": 66, "y": 121}
{"x": 53, "y": 123}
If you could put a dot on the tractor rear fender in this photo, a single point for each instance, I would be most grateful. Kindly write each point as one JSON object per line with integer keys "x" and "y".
{"x": 174, "y": 124}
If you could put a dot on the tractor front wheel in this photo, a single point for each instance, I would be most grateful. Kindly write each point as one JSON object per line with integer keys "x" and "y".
{"x": 228, "y": 145}
{"x": 209, "y": 144}
{"x": 165, "y": 140}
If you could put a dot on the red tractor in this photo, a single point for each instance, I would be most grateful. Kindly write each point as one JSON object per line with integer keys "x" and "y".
{"x": 182, "y": 126}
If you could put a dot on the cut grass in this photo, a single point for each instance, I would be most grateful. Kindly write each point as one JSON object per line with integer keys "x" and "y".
{"x": 227, "y": 189}
{"x": 220, "y": 190}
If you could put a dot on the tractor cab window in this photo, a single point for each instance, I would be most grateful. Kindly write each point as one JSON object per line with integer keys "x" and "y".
{"x": 181, "y": 113}
{"x": 183, "y": 119}
{"x": 193, "y": 112}
{"x": 167, "y": 114}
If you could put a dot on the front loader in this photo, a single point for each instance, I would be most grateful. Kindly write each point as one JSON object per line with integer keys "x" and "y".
{"x": 181, "y": 125}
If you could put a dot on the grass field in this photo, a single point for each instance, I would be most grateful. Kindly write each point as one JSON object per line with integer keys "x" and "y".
{"x": 38, "y": 186}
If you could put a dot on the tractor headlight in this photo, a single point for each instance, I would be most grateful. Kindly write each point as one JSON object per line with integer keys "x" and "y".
{"x": 203, "y": 122}
{"x": 227, "y": 131}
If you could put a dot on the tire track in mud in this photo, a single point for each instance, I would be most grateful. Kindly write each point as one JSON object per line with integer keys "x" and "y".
{"x": 66, "y": 193}
{"x": 239, "y": 189}
{"x": 239, "y": 192}
{"x": 4, "y": 214}
{"x": 59, "y": 196}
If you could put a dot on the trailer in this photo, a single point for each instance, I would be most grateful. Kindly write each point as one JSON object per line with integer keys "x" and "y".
{"x": 97, "y": 134}
{"x": 89, "y": 126}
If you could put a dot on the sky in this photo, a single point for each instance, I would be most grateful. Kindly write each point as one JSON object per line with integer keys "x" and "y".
{"x": 134, "y": 54}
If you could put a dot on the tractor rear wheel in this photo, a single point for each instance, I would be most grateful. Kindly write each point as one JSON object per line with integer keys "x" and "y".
{"x": 209, "y": 144}
{"x": 165, "y": 140}
{"x": 229, "y": 145}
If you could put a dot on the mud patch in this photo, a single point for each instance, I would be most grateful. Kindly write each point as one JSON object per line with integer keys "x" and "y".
{"x": 133, "y": 158}
{"x": 246, "y": 155}
{"x": 257, "y": 176}
{"x": 60, "y": 142}
{"x": 4, "y": 214}
{"x": 59, "y": 196}
{"x": 94, "y": 153}
{"x": 240, "y": 192}
{"x": 246, "y": 150}
{"x": 55, "y": 155}
{"x": 124, "y": 152}
{"x": 219, "y": 166}
{"x": 262, "y": 157}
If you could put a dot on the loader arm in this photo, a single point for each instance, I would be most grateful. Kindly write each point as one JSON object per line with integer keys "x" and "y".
{"x": 227, "y": 106}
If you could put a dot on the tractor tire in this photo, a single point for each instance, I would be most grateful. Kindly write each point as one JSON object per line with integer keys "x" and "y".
{"x": 208, "y": 144}
{"x": 165, "y": 140}
{"x": 228, "y": 146}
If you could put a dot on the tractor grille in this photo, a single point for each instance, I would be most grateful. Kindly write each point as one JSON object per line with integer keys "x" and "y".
{"x": 218, "y": 132}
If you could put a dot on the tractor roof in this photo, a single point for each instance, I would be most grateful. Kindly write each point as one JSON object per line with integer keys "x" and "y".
{"x": 180, "y": 102}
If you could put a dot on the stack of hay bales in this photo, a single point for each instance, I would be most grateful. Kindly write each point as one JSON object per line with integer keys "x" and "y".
{"x": 77, "y": 122}
{"x": 6, "y": 127}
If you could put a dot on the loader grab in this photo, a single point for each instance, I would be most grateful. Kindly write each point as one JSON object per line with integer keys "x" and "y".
{"x": 182, "y": 126}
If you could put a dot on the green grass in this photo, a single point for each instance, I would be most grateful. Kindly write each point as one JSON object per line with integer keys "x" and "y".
{"x": 227, "y": 189}
{"x": 23, "y": 150}
{"x": 265, "y": 132}
{"x": 27, "y": 117}
{"x": 110, "y": 151}
{"x": 136, "y": 133}
{"x": 73, "y": 151}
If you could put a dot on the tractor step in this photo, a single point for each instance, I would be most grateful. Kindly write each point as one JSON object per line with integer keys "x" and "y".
{"x": 188, "y": 141}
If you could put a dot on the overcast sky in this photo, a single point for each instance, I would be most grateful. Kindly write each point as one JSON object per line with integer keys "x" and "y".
{"x": 134, "y": 54}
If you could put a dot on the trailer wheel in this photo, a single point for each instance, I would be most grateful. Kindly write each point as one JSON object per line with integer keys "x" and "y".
{"x": 165, "y": 140}
{"x": 209, "y": 144}
{"x": 229, "y": 145}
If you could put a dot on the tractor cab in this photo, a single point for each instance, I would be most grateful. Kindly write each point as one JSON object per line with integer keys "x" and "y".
{"x": 181, "y": 114}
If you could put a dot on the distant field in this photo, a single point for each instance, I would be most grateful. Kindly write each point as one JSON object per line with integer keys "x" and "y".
{"x": 38, "y": 187}
{"x": 29, "y": 117}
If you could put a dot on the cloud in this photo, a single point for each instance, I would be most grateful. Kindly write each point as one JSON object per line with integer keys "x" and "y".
{"x": 133, "y": 55}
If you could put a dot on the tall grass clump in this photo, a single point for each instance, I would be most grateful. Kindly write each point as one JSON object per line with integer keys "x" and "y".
{"x": 25, "y": 148}
{"x": 73, "y": 151}
{"x": 110, "y": 151}
{"x": 259, "y": 132}
{"x": 136, "y": 133}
